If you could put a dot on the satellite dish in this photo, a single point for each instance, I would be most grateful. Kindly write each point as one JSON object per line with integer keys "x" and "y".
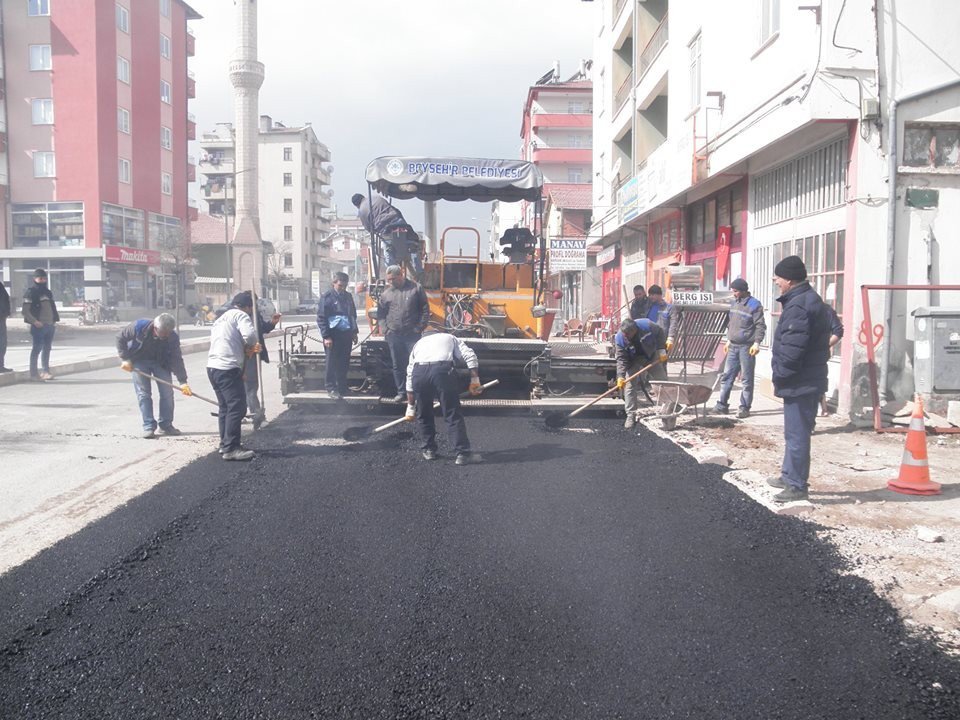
{"x": 329, "y": 168}
{"x": 330, "y": 192}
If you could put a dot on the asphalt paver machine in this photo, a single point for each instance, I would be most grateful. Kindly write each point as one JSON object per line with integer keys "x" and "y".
{"x": 497, "y": 306}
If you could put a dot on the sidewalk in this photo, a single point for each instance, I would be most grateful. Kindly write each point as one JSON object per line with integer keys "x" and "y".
{"x": 875, "y": 529}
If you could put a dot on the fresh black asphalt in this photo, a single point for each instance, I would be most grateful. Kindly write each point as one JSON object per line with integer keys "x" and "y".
{"x": 571, "y": 575}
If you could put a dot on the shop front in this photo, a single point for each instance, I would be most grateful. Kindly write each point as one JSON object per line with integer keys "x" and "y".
{"x": 608, "y": 260}
{"x": 130, "y": 278}
{"x": 664, "y": 246}
{"x": 716, "y": 236}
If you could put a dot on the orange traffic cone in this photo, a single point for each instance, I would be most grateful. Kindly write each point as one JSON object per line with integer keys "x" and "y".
{"x": 914, "y": 476}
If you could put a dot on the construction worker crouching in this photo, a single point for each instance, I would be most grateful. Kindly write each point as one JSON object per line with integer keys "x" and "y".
{"x": 639, "y": 343}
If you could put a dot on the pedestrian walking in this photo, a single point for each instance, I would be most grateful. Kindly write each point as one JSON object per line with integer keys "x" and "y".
{"x": 251, "y": 377}
{"x": 153, "y": 348}
{"x": 337, "y": 321}
{"x": 432, "y": 375}
{"x": 638, "y": 343}
{"x": 402, "y": 313}
{"x": 799, "y": 363}
{"x": 745, "y": 331}
{"x": 40, "y": 313}
{"x": 640, "y": 305}
{"x": 400, "y": 240}
{"x": 233, "y": 338}
{"x": 4, "y": 314}
{"x": 660, "y": 312}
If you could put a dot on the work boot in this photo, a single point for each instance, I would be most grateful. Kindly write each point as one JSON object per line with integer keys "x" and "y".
{"x": 429, "y": 454}
{"x": 468, "y": 458}
{"x": 238, "y": 454}
{"x": 222, "y": 450}
{"x": 743, "y": 413}
{"x": 168, "y": 429}
{"x": 721, "y": 409}
{"x": 790, "y": 494}
{"x": 630, "y": 421}
{"x": 5, "y": 369}
{"x": 334, "y": 395}
{"x": 399, "y": 398}
{"x": 776, "y": 482}
{"x": 149, "y": 434}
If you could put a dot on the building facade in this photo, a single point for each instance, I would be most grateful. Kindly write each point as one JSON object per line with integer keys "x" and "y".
{"x": 93, "y": 185}
{"x": 730, "y": 141}
{"x": 293, "y": 191}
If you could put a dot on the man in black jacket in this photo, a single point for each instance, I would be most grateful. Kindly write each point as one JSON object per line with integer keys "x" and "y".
{"x": 40, "y": 313}
{"x": 400, "y": 240}
{"x": 402, "y": 314}
{"x": 337, "y": 321}
{"x": 800, "y": 354}
{"x": 641, "y": 303}
{"x": 4, "y": 314}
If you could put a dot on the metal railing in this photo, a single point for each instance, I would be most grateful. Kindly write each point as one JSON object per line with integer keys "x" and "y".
{"x": 618, "y": 6}
{"x": 623, "y": 92}
{"x": 658, "y": 41}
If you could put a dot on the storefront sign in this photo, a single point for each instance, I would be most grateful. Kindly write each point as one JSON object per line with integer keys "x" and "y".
{"x": 315, "y": 283}
{"x": 567, "y": 255}
{"x": 606, "y": 255}
{"x": 680, "y": 297}
{"x": 629, "y": 197}
{"x": 130, "y": 256}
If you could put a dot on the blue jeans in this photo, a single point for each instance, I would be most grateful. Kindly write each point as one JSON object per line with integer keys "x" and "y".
{"x": 401, "y": 344}
{"x": 403, "y": 244}
{"x": 42, "y": 343}
{"x": 145, "y": 399}
{"x": 739, "y": 360}
{"x": 799, "y": 415}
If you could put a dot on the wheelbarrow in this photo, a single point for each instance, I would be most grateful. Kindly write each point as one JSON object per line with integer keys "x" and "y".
{"x": 675, "y": 398}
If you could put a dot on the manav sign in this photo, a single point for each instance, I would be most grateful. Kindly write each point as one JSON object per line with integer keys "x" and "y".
{"x": 568, "y": 254}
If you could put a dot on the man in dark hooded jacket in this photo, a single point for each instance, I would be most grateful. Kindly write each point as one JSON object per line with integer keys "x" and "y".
{"x": 799, "y": 361}
{"x": 40, "y": 313}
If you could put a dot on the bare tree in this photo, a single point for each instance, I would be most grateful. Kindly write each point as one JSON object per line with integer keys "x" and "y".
{"x": 277, "y": 266}
{"x": 175, "y": 260}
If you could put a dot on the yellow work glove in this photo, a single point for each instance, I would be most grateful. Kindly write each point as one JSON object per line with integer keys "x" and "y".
{"x": 754, "y": 349}
{"x": 127, "y": 366}
{"x": 185, "y": 389}
{"x": 251, "y": 351}
{"x": 662, "y": 357}
{"x": 475, "y": 387}
{"x": 669, "y": 344}
{"x": 621, "y": 383}
{"x": 410, "y": 415}
{"x": 726, "y": 346}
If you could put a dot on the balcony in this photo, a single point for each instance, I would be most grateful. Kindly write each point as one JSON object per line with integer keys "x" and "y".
{"x": 322, "y": 151}
{"x": 191, "y": 168}
{"x": 191, "y": 43}
{"x": 321, "y": 174}
{"x": 562, "y": 120}
{"x": 191, "y": 126}
{"x": 653, "y": 67}
{"x": 582, "y": 156}
{"x": 623, "y": 93}
{"x": 649, "y": 55}
{"x": 191, "y": 84}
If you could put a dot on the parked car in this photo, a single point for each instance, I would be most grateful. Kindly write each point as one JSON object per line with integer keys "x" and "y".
{"x": 307, "y": 308}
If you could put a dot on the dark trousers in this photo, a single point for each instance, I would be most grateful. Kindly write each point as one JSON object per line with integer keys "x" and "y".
{"x": 3, "y": 340}
{"x": 401, "y": 344}
{"x": 438, "y": 381}
{"x": 739, "y": 362}
{"x": 338, "y": 360}
{"x": 42, "y": 343}
{"x": 232, "y": 396}
{"x": 799, "y": 415}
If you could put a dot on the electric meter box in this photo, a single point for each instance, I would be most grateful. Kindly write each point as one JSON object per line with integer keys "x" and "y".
{"x": 936, "y": 351}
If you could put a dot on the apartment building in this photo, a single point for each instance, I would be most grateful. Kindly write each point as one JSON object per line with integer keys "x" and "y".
{"x": 93, "y": 149}
{"x": 557, "y": 134}
{"x": 293, "y": 189}
{"x": 730, "y": 139}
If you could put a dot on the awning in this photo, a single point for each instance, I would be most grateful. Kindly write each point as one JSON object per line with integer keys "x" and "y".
{"x": 204, "y": 280}
{"x": 446, "y": 178}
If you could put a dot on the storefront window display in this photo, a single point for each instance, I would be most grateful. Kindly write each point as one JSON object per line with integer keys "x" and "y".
{"x": 122, "y": 226}
{"x": 126, "y": 286}
{"x": 47, "y": 225}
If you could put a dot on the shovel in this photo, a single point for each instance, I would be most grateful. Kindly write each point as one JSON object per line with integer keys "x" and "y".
{"x": 557, "y": 420}
{"x": 175, "y": 387}
{"x": 358, "y": 433}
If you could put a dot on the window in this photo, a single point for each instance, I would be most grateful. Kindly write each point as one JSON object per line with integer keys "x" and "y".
{"x": 165, "y": 8}
{"x": 288, "y": 153}
{"x": 42, "y": 111}
{"x": 123, "y": 69}
{"x": 47, "y": 224}
{"x": 40, "y": 57}
{"x": 288, "y": 232}
{"x": 123, "y": 18}
{"x": 575, "y": 175}
{"x": 163, "y": 231}
{"x": 287, "y": 205}
{"x": 122, "y": 226}
{"x": 38, "y": 7}
{"x": 666, "y": 236}
{"x": 574, "y": 140}
{"x": 164, "y": 46}
{"x": 123, "y": 120}
{"x": 44, "y": 165}
{"x": 808, "y": 184}
{"x": 931, "y": 146}
{"x": 575, "y": 107}
{"x": 166, "y": 183}
{"x": 288, "y": 259}
{"x": 166, "y": 137}
{"x": 165, "y": 91}
{"x": 769, "y": 19}
{"x": 123, "y": 170}
{"x": 288, "y": 179}
{"x": 694, "y": 50}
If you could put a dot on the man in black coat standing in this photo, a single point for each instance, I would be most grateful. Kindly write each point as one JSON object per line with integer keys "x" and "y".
{"x": 4, "y": 314}
{"x": 800, "y": 354}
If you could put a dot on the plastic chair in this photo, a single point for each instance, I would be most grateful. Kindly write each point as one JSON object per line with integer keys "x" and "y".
{"x": 574, "y": 327}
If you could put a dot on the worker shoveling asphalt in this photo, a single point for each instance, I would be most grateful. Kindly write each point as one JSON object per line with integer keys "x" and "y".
{"x": 558, "y": 420}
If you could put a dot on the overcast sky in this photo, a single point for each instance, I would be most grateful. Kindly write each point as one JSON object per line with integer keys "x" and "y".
{"x": 396, "y": 77}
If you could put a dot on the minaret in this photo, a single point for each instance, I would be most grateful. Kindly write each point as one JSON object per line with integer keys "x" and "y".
{"x": 246, "y": 76}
